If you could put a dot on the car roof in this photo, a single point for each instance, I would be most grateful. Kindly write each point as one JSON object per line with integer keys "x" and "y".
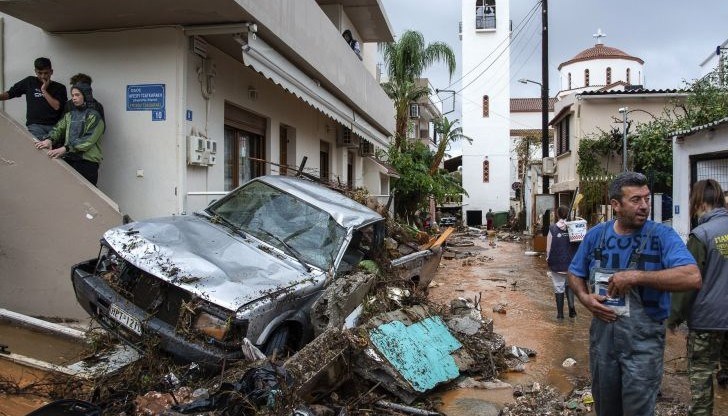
{"x": 344, "y": 210}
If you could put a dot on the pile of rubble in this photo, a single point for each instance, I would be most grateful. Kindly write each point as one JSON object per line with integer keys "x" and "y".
{"x": 387, "y": 363}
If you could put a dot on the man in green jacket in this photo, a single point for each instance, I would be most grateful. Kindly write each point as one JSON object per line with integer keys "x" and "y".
{"x": 80, "y": 130}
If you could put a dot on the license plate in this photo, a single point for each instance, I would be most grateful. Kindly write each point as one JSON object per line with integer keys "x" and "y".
{"x": 125, "y": 319}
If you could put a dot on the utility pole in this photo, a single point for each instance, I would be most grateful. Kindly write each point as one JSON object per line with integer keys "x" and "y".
{"x": 545, "y": 89}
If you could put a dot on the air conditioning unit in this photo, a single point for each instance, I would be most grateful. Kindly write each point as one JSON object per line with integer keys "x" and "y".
{"x": 414, "y": 110}
{"x": 366, "y": 148}
{"x": 196, "y": 149}
{"x": 549, "y": 166}
{"x": 347, "y": 139}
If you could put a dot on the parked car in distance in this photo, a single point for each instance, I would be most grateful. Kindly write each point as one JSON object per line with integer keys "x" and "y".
{"x": 448, "y": 221}
{"x": 248, "y": 266}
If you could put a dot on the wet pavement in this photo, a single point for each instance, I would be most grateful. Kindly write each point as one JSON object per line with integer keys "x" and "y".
{"x": 506, "y": 275}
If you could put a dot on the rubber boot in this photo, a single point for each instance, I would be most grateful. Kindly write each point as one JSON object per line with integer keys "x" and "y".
{"x": 559, "y": 306}
{"x": 570, "y": 301}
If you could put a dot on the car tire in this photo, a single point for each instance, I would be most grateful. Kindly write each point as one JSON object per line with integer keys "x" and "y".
{"x": 278, "y": 342}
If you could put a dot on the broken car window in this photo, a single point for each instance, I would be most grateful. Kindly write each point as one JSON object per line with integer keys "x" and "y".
{"x": 259, "y": 209}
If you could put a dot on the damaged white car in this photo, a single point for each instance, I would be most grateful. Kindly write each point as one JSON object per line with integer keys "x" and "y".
{"x": 248, "y": 266}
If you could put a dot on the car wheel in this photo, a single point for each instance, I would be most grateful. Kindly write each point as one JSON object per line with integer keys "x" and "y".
{"x": 278, "y": 342}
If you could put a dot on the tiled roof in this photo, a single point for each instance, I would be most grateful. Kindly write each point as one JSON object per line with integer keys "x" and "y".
{"x": 599, "y": 51}
{"x": 636, "y": 91}
{"x": 527, "y": 105}
{"x": 696, "y": 129}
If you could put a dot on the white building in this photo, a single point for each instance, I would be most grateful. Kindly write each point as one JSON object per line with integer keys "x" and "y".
{"x": 599, "y": 67}
{"x": 228, "y": 90}
{"x": 485, "y": 108}
{"x": 526, "y": 121}
{"x": 697, "y": 153}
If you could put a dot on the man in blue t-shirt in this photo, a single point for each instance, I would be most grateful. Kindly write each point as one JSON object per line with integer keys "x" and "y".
{"x": 633, "y": 264}
{"x": 44, "y": 98}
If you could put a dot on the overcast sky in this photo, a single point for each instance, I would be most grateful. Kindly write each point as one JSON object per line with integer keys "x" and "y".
{"x": 672, "y": 37}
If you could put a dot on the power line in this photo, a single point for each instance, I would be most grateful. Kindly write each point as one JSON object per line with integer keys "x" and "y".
{"x": 494, "y": 60}
{"x": 531, "y": 12}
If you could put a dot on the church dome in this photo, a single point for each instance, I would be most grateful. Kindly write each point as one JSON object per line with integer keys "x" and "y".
{"x": 599, "y": 51}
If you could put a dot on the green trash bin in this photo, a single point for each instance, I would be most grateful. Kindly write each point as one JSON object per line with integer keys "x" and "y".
{"x": 500, "y": 218}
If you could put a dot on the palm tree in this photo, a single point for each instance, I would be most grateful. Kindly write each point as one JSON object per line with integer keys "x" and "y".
{"x": 405, "y": 60}
{"x": 448, "y": 134}
{"x": 402, "y": 92}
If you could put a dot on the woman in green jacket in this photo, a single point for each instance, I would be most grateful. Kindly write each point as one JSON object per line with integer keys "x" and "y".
{"x": 80, "y": 130}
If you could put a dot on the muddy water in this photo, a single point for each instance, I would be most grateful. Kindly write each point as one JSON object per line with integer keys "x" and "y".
{"x": 520, "y": 283}
{"x": 45, "y": 347}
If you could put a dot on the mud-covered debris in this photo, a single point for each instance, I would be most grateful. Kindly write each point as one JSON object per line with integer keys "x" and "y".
{"x": 156, "y": 403}
{"x": 410, "y": 410}
{"x": 500, "y": 308}
{"x": 460, "y": 242}
{"x": 323, "y": 363}
{"x": 521, "y": 353}
{"x": 261, "y": 387}
{"x": 569, "y": 362}
{"x": 472, "y": 383}
{"x": 466, "y": 318}
{"x": 339, "y": 299}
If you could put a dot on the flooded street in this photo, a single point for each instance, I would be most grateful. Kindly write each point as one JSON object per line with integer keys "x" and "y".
{"x": 505, "y": 275}
{"x": 502, "y": 276}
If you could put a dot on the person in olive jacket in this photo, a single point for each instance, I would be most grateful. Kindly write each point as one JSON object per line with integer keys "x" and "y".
{"x": 705, "y": 309}
{"x": 80, "y": 131}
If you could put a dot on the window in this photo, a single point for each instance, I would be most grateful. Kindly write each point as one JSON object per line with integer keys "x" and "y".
{"x": 486, "y": 171}
{"x": 586, "y": 77}
{"x": 609, "y": 76}
{"x": 627, "y": 80}
{"x": 562, "y": 139}
{"x": 244, "y": 157}
{"x": 569, "y": 80}
{"x": 244, "y": 134}
{"x": 486, "y": 106}
{"x": 484, "y": 14}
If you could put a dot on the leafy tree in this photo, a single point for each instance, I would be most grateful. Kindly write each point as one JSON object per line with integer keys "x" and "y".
{"x": 448, "y": 134}
{"x": 405, "y": 60}
{"x": 650, "y": 152}
{"x": 415, "y": 184}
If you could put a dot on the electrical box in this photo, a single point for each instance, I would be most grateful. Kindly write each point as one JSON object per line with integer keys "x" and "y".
{"x": 196, "y": 149}
{"x": 549, "y": 166}
{"x": 210, "y": 152}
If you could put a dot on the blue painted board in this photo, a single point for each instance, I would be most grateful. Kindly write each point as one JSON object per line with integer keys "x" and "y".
{"x": 419, "y": 352}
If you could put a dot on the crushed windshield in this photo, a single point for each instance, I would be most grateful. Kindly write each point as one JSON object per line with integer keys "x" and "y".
{"x": 264, "y": 212}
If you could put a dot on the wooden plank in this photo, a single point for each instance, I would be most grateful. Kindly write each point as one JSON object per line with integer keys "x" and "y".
{"x": 444, "y": 236}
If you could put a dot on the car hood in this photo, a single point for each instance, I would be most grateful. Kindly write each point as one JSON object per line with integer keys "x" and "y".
{"x": 208, "y": 260}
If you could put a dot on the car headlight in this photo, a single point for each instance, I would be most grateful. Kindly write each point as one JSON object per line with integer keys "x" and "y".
{"x": 211, "y": 326}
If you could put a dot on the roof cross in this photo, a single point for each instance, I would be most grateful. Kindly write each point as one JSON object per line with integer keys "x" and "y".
{"x": 599, "y": 35}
